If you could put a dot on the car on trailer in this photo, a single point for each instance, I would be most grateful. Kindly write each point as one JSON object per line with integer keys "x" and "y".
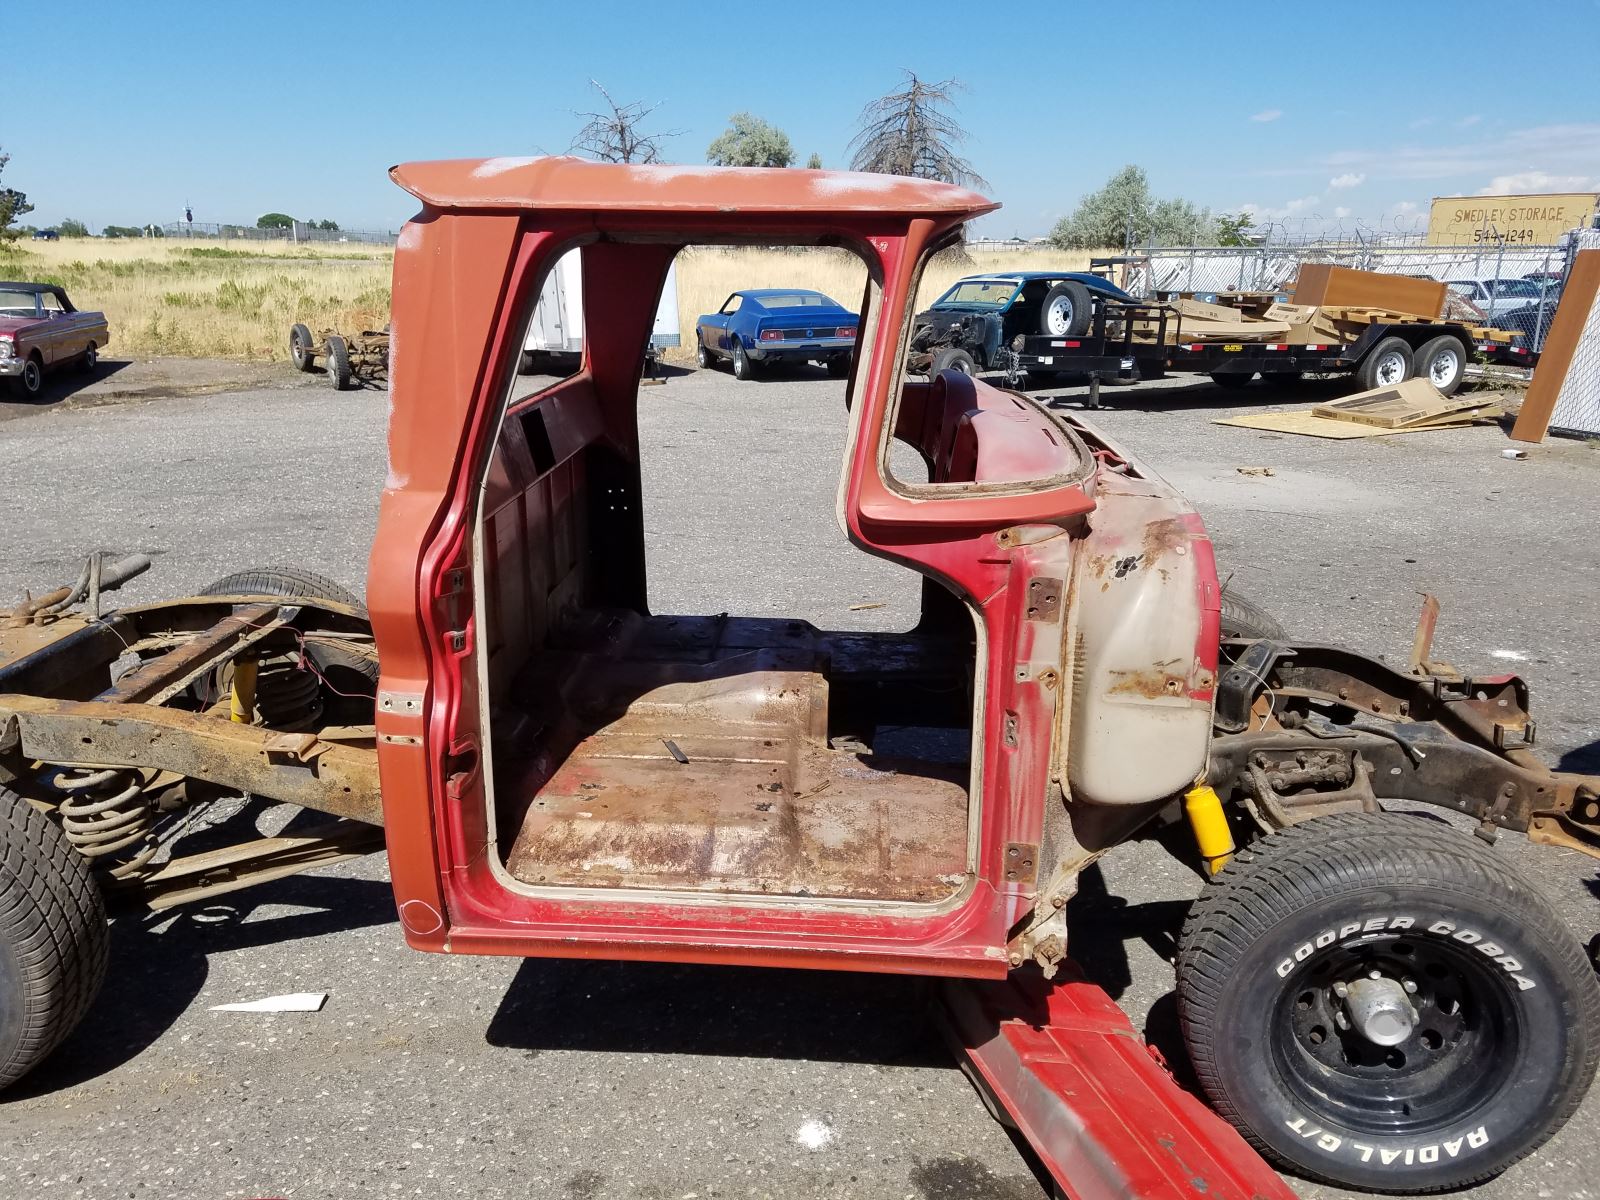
{"x": 558, "y": 770}
{"x": 975, "y": 325}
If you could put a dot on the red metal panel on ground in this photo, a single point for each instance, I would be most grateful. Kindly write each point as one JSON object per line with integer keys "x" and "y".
{"x": 1091, "y": 1098}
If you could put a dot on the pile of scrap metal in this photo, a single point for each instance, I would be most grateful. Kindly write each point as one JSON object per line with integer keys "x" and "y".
{"x": 362, "y": 358}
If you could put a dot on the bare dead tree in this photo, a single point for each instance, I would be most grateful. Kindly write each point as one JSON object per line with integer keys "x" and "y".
{"x": 614, "y": 134}
{"x": 909, "y": 132}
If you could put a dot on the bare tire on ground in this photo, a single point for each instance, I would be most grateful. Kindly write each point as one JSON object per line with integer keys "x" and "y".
{"x": 338, "y": 359}
{"x": 1232, "y": 379}
{"x": 1382, "y": 1003}
{"x": 1442, "y": 362}
{"x": 53, "y": 937}
{"x": 1243, "y": 618}
{"x": 301, "y": 348}
{"x": 1067, "y": 310}
{"x": 1386, "y": 364}
{"x": 952, "y": 358}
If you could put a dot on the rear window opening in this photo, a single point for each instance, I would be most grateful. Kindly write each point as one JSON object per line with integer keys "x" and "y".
{"x": 698, "y": 684}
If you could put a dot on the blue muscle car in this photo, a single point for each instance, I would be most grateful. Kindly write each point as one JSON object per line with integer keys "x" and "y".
{"x": 763, "y": 325}
{"x": 965, "y": 328}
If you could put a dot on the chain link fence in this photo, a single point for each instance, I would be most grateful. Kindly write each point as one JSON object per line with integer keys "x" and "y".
{"x": 1577, "y": 407}
{"x": 300, "y": 232}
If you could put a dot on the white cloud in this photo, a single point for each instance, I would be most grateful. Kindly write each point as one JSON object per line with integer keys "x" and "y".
{"x": 1340, "y": 213}
{"x": 1349, "y": 179}
{"x": 1558, "y": 149}
{"x": 1420, "y": 123}
{"x": 1536, "y": 181}
{"x": 1469, "y": 122}
{"x": 1291, "y": 208}
{"x": 1268, "y": 114}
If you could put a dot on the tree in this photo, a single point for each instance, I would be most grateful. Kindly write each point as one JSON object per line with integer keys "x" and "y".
{"x": 72, "y": 227}
{"x": 1124, "y": 212}
{"x": 274, "y": 220}
{"x": 13, "y": 204}
{"x": 121, "y": 231}
{"x": 614, "y": 134}
{"x": 1233, "y": 229}
{"x": 814, "y": 163}
{"x": 909, "y": 133}
{"x": 328, "y": 226}
{"x": 750, "y": 142}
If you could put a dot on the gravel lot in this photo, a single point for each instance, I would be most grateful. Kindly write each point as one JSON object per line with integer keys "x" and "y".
{"x": 435, "y": 1076}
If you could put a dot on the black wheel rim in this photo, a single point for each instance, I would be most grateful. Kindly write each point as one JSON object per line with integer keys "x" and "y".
{"x": 1461, "y": 1051}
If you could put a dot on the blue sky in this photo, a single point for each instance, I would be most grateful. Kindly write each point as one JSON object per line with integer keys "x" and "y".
{"x": 1341, "y": 113}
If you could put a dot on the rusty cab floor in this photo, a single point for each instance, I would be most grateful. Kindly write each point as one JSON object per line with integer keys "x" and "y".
{"x": 741, "y": 756}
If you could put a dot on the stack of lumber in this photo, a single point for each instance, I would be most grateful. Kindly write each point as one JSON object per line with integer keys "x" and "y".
{"x": 1410, "y": 407}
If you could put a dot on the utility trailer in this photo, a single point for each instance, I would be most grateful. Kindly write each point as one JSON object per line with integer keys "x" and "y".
{"x": 349, "y": 361}
{"x": 556, "y": 770}
{"x": 1385, "y": 352}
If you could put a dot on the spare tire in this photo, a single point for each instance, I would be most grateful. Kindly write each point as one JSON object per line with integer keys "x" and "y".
{"x": 1067, "y": 310}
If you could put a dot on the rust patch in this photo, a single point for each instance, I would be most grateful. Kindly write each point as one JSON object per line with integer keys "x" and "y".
{"x": 1162, "y": 537}
{"x": 1150, "y": 685}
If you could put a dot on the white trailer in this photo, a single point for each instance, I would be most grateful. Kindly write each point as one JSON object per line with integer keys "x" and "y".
{"x": 556, "y": 330}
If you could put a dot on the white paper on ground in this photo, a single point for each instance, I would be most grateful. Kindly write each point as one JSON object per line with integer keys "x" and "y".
{"x": 293, "y": 1002}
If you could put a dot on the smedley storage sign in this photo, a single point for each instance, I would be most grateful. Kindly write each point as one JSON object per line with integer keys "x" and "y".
{"x": 1517, "y": 220}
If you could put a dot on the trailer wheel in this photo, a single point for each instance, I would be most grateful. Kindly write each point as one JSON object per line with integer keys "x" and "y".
{"x": 338, "y": 356}
{"x": 952, "y": 358}
{"x": 302, "y": 350}
{"x": 1381, "y": 1003}
{"x": 1386, "y": 364}
{"x": 53, "y": 938}
{"x": 1233, "y": 380}
{"x": 1067, "y": 310}
{"x": 1442, "y": 362}
{"x": 1243, "y": 618}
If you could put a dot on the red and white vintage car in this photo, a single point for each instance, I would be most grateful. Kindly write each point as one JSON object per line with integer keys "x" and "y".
{"x": 40, "y": 330}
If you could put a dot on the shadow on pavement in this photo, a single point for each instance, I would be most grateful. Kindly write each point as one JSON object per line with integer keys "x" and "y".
{"x": 159, "y": 965}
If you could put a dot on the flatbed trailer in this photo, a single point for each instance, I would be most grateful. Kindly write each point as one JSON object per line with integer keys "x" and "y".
{"x": 1385, "y": 352}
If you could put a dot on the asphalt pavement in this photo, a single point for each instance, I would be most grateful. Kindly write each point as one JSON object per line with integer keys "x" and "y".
{"x": 442, "y": 1077}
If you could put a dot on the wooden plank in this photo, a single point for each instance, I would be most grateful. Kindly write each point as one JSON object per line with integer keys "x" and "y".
{"x": 1560, "y": 345}
{"x": 1413, "y": 402}
{"x": 1327, "y": 284}
{"x": 1306, "y": 423}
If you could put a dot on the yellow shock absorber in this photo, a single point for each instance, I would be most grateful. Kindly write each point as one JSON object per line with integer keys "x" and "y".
{"x": 1210, "y": 825}
{"x": 244, "y": 690}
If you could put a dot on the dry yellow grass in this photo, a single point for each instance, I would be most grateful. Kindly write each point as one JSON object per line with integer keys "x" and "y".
{"x": 237, "y": 299}
{"x": 211, "y": 299}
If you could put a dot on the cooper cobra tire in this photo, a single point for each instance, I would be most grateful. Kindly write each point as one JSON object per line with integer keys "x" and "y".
{"x": 1243, "y": 618}
{"x": 53, "y": 938}
{"x": 1505, "y": 1030}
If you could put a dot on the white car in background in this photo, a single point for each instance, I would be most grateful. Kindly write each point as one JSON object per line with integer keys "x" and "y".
{"x": 1495, "y": 297}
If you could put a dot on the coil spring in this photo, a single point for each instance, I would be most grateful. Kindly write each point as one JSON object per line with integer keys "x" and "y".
{"x": 288, "y": 696}
{"x": 107, "y": 818}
